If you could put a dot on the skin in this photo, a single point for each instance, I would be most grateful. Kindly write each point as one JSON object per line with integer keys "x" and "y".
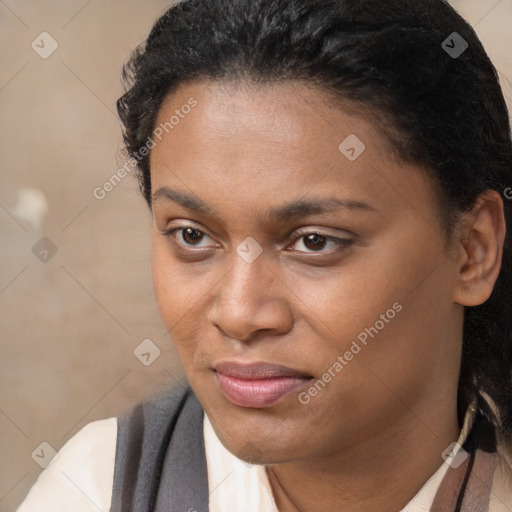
{"x": 373, "y": 436}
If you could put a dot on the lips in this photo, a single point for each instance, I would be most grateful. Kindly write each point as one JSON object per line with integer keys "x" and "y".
{"x": 258, "y": 385}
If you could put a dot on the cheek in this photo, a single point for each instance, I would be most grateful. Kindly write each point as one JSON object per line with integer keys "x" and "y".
{"x": 182, "y": 291}
{"x": 341, "y": 303}
{"x": 389, "y": 323}
{"x": 166, "y": 291}
{"x": 176, "y": 289}
{"x": 175, "y": 296}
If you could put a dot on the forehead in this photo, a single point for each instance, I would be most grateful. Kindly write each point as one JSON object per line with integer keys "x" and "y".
{"x": 283, "y": 114}
{"x": 268, "y": 141}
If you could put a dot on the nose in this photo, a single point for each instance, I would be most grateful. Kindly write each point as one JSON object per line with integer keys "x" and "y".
{"x": 251, "y": 298}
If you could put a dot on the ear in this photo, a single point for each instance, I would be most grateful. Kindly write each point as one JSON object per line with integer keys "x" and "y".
{"x": 481, "y": 249}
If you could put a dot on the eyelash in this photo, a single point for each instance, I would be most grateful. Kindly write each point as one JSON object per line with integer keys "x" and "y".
{"x": 342, "y": 243}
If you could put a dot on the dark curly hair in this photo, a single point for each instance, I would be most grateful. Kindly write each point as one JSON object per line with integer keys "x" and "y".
{"x": 444, "y": 112}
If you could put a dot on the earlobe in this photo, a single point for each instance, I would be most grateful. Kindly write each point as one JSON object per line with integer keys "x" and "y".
{"x": 482, "y": 248}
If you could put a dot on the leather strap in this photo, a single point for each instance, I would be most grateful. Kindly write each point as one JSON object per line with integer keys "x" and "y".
{"x": 468, "y": 486}
{"x": 479, "y": 469}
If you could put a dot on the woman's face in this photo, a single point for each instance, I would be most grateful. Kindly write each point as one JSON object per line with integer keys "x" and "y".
{"x": 365, "y": 320}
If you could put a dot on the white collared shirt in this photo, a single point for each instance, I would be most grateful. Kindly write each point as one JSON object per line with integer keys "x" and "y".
{"x": 80, "y": 478}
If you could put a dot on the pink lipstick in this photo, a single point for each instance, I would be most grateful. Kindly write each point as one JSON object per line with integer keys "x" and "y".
{"x": 258, "y": 385}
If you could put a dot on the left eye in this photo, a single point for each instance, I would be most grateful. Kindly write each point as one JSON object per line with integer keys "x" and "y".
{"x": 316, "y": 241}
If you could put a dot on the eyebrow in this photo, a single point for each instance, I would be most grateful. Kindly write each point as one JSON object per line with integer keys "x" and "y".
{"x": 291, "y": 210}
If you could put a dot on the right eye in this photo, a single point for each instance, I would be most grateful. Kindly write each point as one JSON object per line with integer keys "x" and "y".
{"x": 189, "y": 235}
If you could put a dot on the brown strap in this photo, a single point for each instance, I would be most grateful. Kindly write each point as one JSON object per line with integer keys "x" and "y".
{"x": 481, "y": 467}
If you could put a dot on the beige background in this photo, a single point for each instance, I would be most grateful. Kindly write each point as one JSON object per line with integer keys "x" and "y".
{"x": 70, "y": 325}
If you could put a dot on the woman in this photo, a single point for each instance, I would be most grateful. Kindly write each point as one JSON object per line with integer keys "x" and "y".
{"x": 330, "y": 258}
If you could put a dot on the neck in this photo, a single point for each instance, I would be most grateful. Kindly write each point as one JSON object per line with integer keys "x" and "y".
{"x": 382, "y": 473}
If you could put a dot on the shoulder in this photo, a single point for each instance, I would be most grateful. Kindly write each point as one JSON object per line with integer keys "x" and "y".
{"x": 80, "y": 476}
